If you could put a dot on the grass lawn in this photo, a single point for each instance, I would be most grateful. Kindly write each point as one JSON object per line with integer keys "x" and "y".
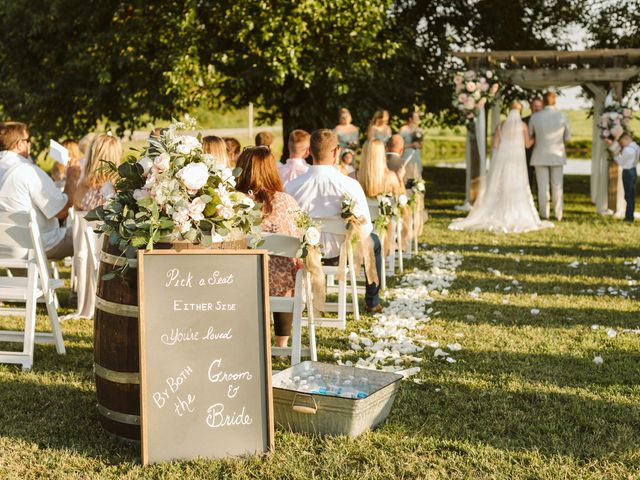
{"x": 523, "y": 401}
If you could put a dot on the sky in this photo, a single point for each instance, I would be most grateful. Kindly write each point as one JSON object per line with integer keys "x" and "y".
{"x": 570, "y": 97}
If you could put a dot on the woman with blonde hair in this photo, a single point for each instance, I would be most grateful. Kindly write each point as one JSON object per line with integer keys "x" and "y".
{"x": 379, "y": 128}
{"x": 374, "y": 175}
{"x": 216, "y": 147}
{"x": 92, "y": 188}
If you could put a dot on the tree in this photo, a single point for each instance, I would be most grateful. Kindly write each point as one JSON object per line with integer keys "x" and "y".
{"x": 68, "y": 64}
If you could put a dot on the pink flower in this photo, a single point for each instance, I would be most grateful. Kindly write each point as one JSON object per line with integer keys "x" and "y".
{"x": 457, "y": 79}
{"x": 606, "y": 134}
{"x": 471, "y": 87}
{"x": 462, "y": 97}
{"x": 617, "y": 131}
{"x": 196, "y": 207}
{"x": 484, "y": 87}
{"x": 470, "y": 103}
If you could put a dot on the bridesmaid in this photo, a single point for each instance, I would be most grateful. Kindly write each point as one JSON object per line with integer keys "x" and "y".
{"x": 347, "y": 132}
{"x": 412, "y": 135}
{"x": 379, "y": 128}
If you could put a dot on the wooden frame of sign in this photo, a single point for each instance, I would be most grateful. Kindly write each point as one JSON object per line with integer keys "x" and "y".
{"x": 205, "y": 362}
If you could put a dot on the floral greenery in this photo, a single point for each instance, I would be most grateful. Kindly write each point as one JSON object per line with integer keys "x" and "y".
{"x": 309, "y": 233}
{"x": 418, "y": 188}
{"x": 387, "y": 208}
{"x": 347, "y": 207}
{"x": 473, "y": 91}
{"x": 615, "y": 121}
{"x": 174, "y": 192}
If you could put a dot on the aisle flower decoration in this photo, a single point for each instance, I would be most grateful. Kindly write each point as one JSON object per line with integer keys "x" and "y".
{"x": 473, "y": 91}
{"x": 416, "y": 203}
{"x": 311, "y": 252}
{"x": 615, "y": 121}
{"x": 361, "y": 243}
{"x": 174, "y": 192}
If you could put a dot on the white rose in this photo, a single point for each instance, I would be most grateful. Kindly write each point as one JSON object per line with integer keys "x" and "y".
{"x": 402, "y": 200}
{"x": 108, "y": 191}
{"x": 248, "y": 203}
{"x": 224, "y": 211}
{"x": 161, "y": 163}
{"x": 139, "y": 194}
{"x": 194, "y": 176}
{"x": 312, "y": 236}
{"x": 196, "y": 207}
{"x": 187, "y": 144}
{"x": 146, "y": 163}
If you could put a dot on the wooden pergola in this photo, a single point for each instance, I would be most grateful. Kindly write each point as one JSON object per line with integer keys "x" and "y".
{"x": 598, "y": 71}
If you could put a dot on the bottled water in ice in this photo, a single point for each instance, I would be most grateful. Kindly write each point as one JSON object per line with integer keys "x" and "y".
{"x": 304, "y": 386}
{"x": 363, "y": 388}
{"x": 347, "y": 390}
{"x": 320, "y": 386}
{"x": 335, "y": 383}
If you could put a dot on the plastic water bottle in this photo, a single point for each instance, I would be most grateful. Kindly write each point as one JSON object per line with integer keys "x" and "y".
{"x": 304, "y": 386}
{"x": 295, "y": 383}
{"x": 335, "y": 384}
{"x": 347, "y": 390}
{"x": 363, "y": 388}
{"x": 320, "y": 386}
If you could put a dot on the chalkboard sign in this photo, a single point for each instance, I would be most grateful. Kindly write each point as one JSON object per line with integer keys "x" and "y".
{"x": 205, "y": 359}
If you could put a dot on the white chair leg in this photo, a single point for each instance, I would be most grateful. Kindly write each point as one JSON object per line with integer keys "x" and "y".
{"x": 392, "y": 250}
{"x": 353, "y": 285}
{"x": 55, "y": 324}
{"x": 383, "y": 272}
{"x": 399, "y": 245}
{"x": 30, "y": 321}
{"x": 342, "y": 303}
{"x": 416, "y": 225}
{"x": 311, "y": 320}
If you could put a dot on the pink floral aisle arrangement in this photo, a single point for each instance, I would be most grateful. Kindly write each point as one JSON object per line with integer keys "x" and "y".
{"x": 174, "y": 191}
{"x": 473, "y": 91}
{"x": 615, "y": 121}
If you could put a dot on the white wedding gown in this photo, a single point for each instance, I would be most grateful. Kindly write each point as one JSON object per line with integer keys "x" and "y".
{"x": 505, "y": 203}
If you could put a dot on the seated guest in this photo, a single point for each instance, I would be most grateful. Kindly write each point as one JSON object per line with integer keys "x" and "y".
{"x": 374, "y": 176}
{"x": 264, "y": 139}
{"x": 216, "y": 147}
{"x": 320, "y": 192}
{"x": 58, "y": 171}
{"x": 24, "y": 186}
{"x": 260, "y": 179}
{"x": 346, "y": 163}
{"x": 296, "y": 163}
{"x": 233, "y": 150}
{"x": 91, "y": 189}
{"x": 395, "y": 162}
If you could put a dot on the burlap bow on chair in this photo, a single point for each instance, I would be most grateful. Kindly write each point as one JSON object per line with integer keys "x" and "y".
{"x": 313, "y": 264}
{"x": 362, "y": 250}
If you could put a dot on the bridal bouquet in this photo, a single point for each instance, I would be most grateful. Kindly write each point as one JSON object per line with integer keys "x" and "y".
{"x": 473, "y": 90}
{"x": 615, "y": 121}
{"x": 175, "y": 192}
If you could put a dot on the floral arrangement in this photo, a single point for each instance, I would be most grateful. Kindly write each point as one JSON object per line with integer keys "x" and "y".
{"x": 173, "y": 192}
{"x": 473, "y": 90}
{"x": 387, "y": 208}
{"x": 615, "y": 121}
{"x": 347, "y": 207}
{"x": 309, "y": 234}
{"x": 417, "y": 189}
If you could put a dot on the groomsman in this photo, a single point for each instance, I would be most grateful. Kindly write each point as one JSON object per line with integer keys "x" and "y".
{"x": 536, "y": 106}
{"x": 550, "y": 129}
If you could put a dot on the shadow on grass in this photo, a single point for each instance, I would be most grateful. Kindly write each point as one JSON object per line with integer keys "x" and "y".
{"x": 58, "y": 416}
{"x": 513, "y": 315}
{"x": 540, "y": 421}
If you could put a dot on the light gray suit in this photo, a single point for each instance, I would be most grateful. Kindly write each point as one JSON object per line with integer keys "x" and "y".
{"x": 550, "y": 130}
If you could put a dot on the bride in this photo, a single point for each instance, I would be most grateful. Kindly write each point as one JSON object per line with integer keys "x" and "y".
{"x": 505, "y": 203}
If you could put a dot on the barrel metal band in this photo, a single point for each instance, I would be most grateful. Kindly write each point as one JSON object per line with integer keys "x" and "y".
{"x": 118, "y": 261}
{"x": 117, "y": 308}
{"x": 118, "y": 416}
{"x": 116, "y": 377}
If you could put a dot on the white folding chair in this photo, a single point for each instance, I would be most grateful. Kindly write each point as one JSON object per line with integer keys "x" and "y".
{"x": 286, "y": 246}
{"x": 22, "y": 248}
{"x": 73, "y": 224}
{"x": 92, "y": 241}
{"x": 337, "y": 226}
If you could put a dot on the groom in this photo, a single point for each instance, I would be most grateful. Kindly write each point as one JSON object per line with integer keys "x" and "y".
{"x": 550, "y": 130}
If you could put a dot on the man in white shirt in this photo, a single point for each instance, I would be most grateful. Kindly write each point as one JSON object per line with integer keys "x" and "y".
{"x": 296, "y": 164}
{"x": 628, "y": 161}
{"x": 320, "y": 192}
{"x": 24, "y": 186}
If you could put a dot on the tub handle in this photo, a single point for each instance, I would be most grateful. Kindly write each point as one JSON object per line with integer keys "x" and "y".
{"x": 302, "y": 407}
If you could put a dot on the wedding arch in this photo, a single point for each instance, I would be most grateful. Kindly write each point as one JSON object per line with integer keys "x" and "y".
{"x": 598, "y": 71}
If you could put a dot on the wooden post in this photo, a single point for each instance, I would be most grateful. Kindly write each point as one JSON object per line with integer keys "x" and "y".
{"x": 613, "y": 166}
{"x": 599, "y": 157}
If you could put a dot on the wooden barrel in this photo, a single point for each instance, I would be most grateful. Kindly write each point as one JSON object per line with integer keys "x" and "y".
{"x": 115, "y": 339}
